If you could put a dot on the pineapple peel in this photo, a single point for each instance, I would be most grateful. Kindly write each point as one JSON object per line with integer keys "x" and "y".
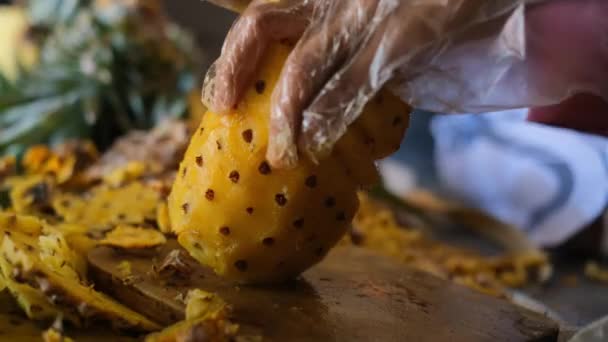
{"x": 132, "y": 237}
{"x": 45, "y": 291}
{"x": 252, "y": 223}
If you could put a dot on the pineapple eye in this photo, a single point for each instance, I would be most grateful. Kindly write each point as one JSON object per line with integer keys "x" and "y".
{"x": 311, "y": 181}
{"x": 330, "y": 202}
{"x": 397, "y": 121}
{"x": 201, "y": 131}
{"x": 260, "y": 86}
{"x": 184, "y": 171}
{"x": 210, "y": 194}
{"x": 268, "y": 241}
{"x": 299, "y": 223}
{"x": 247, "y": 135}
{"x": 219, "y": 144}
{"x": 264, "y": 168}
{"x": 199, "y": 161}
{"x": 341, "y": 216}
{"x": 241, "y": 265}
{"x": 249, "y": 210}
{"x": 225, "y": 231}
{"x": 234, "y": 176}
{"x": 280, "y": 199}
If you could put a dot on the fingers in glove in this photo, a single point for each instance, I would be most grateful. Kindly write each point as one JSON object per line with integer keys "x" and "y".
{"x": 343, "y": 98}
{"x": 244, "y": 48}
{"x": 336, "y": 32}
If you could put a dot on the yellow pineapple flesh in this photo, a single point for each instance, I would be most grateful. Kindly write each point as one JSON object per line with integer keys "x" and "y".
{"x": 252, "y": 223}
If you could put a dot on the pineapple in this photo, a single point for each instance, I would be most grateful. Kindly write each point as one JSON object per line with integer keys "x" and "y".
{"x": 90, "y": 69}
{"x": 252, "y": 223}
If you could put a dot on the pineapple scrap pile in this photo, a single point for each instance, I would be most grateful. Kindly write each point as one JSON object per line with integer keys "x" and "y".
{"x": 377, "y": 228}
{"x": 60, "y": 202}
{"x": 253, "y": 223}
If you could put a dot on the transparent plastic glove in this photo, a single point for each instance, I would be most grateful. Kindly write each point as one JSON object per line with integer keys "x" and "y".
{"x": 439, "y": 55}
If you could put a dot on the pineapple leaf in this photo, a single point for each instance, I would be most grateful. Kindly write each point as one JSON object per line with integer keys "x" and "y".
{"x": 105, "y": 67}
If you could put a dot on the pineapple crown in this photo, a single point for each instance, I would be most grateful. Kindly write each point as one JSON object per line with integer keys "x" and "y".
{"x": 105, "y": 67}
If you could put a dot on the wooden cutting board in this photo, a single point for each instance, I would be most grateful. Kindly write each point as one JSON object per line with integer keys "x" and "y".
{"x": 353, "y": 295}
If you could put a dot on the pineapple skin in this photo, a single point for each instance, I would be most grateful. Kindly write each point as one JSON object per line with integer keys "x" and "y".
{"x": 254, "y": 224}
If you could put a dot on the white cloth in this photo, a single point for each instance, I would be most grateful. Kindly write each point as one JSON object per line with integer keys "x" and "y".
{"x": 548, "y": 181}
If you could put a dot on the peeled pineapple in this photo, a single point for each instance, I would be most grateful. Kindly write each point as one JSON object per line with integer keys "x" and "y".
{"x": 252, "y": 223}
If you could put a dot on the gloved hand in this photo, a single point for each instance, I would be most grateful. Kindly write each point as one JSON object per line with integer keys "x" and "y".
{"x": 438, "y": 55}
